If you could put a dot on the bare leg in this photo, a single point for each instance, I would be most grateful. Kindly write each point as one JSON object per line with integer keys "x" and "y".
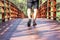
{"x": 29, "y": 12}
{"x": 35, "y": 12}
{"x": 34, "y": 18}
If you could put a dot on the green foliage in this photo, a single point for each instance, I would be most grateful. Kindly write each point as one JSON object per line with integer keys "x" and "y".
{"x": 21, "y": 4}
{"x": 43, "y": 1}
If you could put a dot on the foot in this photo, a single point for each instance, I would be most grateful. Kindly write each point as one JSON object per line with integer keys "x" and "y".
{"x": 34, "y": 23}
{"x": 29, "y": 23}
{"x": 29, "y": 28}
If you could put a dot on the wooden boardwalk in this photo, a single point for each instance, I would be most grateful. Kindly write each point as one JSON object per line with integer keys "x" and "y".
{"x": 45, "y": 29}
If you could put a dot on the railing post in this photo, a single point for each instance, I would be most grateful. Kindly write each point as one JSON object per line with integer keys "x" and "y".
{"x": 3, "y": 14}
{"x": 40, "y": 8}
{"x": 9, "y": 9}
{"x": 49, "y": 8}
{"x": 46, "y": 10}
{"x": 54, "y": 9}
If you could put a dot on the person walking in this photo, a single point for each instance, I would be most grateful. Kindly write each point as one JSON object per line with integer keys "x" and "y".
{"x": 30, "y": 4}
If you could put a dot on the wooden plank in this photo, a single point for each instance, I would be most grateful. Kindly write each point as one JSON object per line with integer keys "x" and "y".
{"x": 45, "y": 29}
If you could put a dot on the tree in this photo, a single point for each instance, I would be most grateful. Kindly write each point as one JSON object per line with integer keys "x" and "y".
{"x": 21, "y": 4}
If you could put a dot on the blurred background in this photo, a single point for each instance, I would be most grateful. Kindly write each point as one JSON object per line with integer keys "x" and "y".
{"x": 22, "y": 5}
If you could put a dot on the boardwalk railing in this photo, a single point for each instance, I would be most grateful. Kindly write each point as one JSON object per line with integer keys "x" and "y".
{"x": 9, "y": 11}
{"x": 48, "y": 10}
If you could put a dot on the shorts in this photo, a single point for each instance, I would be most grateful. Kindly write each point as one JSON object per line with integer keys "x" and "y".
{"x": 33, "y": 4}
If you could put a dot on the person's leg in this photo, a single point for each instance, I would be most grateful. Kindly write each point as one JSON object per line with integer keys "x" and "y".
{"x": 35, "y": 12}
{"x": 29, "y": 17}
{"x": 34, "y": 18}
{"x": 29, "y": 5}
{"x": 29, "y": 12}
